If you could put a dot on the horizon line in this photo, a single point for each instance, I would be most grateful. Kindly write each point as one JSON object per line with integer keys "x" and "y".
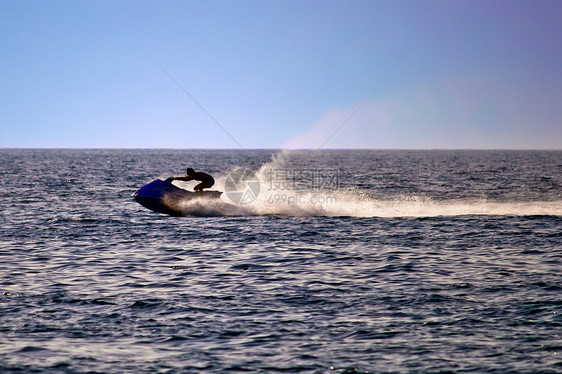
{"x": 280, "y": 149}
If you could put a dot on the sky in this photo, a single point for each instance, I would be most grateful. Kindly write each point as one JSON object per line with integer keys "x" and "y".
{"x": 432, "y": 74}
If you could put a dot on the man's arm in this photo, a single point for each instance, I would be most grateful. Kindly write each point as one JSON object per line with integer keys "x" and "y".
{"x": 185, "y": 178}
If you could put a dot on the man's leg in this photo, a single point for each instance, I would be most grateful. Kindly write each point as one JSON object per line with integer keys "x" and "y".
{"x": 200, "y": 186}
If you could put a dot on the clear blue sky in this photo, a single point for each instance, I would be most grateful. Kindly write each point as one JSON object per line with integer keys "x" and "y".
{"x": 281, "y": 74}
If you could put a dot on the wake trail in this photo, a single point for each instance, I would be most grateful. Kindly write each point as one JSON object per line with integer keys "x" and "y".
{"x": 311, "y": 202}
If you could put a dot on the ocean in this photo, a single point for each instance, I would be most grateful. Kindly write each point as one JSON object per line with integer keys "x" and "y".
{"x": 331, "y": 261}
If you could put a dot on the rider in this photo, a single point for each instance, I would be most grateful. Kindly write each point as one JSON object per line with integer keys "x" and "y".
{"x": 206, "y": 180}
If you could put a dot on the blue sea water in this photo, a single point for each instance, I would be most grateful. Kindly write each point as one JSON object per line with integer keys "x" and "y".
{"x": 344, "y": 262}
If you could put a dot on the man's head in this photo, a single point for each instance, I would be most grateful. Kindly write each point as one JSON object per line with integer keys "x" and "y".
{"x": 189, "y": 171}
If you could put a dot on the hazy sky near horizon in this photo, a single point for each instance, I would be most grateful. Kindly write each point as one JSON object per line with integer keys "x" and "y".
{"x": 281, "y": 74}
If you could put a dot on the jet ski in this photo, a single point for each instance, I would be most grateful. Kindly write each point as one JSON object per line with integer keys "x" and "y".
{"x": 162, "y": 196}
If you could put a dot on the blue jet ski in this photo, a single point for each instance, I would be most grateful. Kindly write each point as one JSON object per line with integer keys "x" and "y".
{"x": 163, "y": 197}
